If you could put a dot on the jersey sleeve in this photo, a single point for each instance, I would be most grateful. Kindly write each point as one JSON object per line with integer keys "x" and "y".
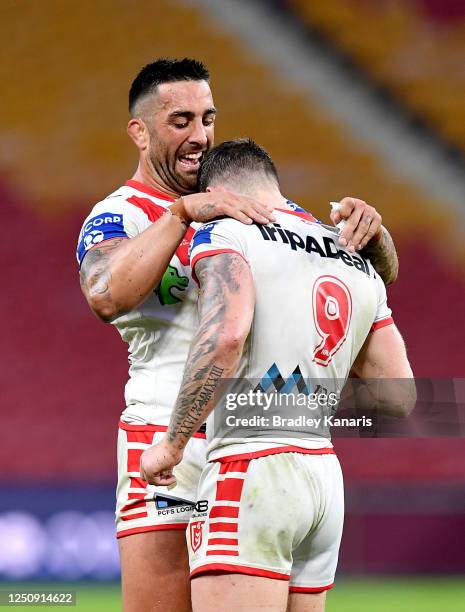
{"x": 383, "y": 315}
{"x": 114, "y": 217}
{"x": 214, "y": 238}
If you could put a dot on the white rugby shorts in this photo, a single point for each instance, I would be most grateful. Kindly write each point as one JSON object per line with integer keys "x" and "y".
{"x": 278, "y": 516}
{"x": 143, "y": 507}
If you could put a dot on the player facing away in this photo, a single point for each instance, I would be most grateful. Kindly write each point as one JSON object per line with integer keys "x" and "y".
{"x": 265, "y": 533}
{"x": 134, "y": 270}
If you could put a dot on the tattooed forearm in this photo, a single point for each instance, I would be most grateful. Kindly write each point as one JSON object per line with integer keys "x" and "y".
{"x": 383, "y": 256}
{"x": 187, "y": 421}
{"x": 215, "y": 350}
{"x": 206, "y": 212}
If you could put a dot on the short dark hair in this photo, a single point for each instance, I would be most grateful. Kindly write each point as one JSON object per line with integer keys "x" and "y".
{"x": 165, "y": 71}
{"x": 233, "y": 158}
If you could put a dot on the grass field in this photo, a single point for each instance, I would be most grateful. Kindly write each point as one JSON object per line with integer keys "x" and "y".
{"x": 351, "y": 595}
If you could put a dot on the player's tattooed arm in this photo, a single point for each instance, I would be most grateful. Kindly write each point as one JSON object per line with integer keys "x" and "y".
{"x": 226, "y": 305}
{"x": 119, "y": 274}
{"x": 95, "y": 273}
{"x": 383, "y": 255}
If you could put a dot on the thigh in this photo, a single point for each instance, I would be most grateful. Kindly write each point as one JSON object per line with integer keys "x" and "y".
{"x": 155, "y": 572}
{"x": 238, "y": 593}
{"x": 306, "y": 602}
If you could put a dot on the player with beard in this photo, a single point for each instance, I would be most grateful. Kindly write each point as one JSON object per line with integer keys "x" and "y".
{"x": 135, "y": 273}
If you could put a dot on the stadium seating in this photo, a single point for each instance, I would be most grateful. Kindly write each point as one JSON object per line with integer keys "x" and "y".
{"x": 414, "y": 48}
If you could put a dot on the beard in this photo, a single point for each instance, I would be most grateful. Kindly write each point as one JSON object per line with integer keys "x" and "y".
{"x": 181, "y": 182}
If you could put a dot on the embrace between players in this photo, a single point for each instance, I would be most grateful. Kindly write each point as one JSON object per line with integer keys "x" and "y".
{"x": 279, "y": 294}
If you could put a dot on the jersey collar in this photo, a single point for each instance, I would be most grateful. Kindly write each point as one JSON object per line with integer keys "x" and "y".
{"x": 297, "y": 211}
{"x": 148, "y": 190}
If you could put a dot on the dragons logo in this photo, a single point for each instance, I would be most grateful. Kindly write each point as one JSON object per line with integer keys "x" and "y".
{"x": 171, "y": 280}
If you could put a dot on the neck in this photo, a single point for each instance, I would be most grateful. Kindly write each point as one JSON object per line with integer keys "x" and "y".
{"x": 267, "y": 195}
{"x": 146, "y": 176}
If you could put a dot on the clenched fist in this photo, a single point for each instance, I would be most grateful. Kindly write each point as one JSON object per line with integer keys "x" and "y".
{"x": 158, "y": 461}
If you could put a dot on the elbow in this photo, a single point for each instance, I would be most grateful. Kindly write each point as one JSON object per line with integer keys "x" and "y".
{"x": 403, "y": 401}
{"x": 409, "y": 403}
{"x": 400, "y": 408}
{"x": 105, "y": 313}
{"x": 395, "y": 397}
{"x": 232, "y": 340}
{"x": 104, "y": 308}
{"x": 100, "y": 300}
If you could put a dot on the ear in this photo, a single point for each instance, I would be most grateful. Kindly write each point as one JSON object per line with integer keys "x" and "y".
{"x": 216, "y": 188}
{"x": 138, "y": 132}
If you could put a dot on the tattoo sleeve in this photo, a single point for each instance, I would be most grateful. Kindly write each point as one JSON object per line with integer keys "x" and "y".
{"x": 95, "y": 273}
{"x": 226, "y": 305}
{"x": 383, "y": 256}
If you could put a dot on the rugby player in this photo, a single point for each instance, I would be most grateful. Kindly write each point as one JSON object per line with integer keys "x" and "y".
{"x": 277, "y": 301}
{"x": 134, "y": 270}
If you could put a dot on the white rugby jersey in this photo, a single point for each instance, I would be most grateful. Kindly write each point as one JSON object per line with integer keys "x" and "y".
{"x": 160, "y": 330}
{"x": 315, "y": 305}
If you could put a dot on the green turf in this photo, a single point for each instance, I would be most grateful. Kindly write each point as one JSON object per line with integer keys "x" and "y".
{"x": 350, "y": 595}
{"x": 398, "y": 595}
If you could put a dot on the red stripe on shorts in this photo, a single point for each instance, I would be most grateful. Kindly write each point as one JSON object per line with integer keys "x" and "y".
{"x": 166, "y": 527}
{"x": 136, "y": 495}
{"x": 131, "y": 506}
{"x": 223, "y": 541}
{"x": 142, "y": 437}
{"x": 148, "y": 427}
{"x": 232, "y": 553}
{"x": 137, "y": 483}
{"x": 134, "y": 459}
{"x": 229, "y": 489}
{"x": 246, "y": 457}
{"x": 223, "y": 527}
{"x": 224, "y": 512}
{"x": 295, "y": 589}
{"x": 134, "y": 516}
{"x": 232, "y": 568}
{"x": 234, "y": 466}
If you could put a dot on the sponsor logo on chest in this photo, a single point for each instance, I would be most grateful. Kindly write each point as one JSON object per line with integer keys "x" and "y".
{"x": 324, "y": 246}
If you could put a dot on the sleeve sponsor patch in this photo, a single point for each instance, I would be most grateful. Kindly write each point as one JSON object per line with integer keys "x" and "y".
{"x": 203, "y": 235}
{"x": 99, "y": 228}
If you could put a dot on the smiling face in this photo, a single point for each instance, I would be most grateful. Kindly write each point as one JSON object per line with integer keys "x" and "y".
{"x": 179, "y": 118}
